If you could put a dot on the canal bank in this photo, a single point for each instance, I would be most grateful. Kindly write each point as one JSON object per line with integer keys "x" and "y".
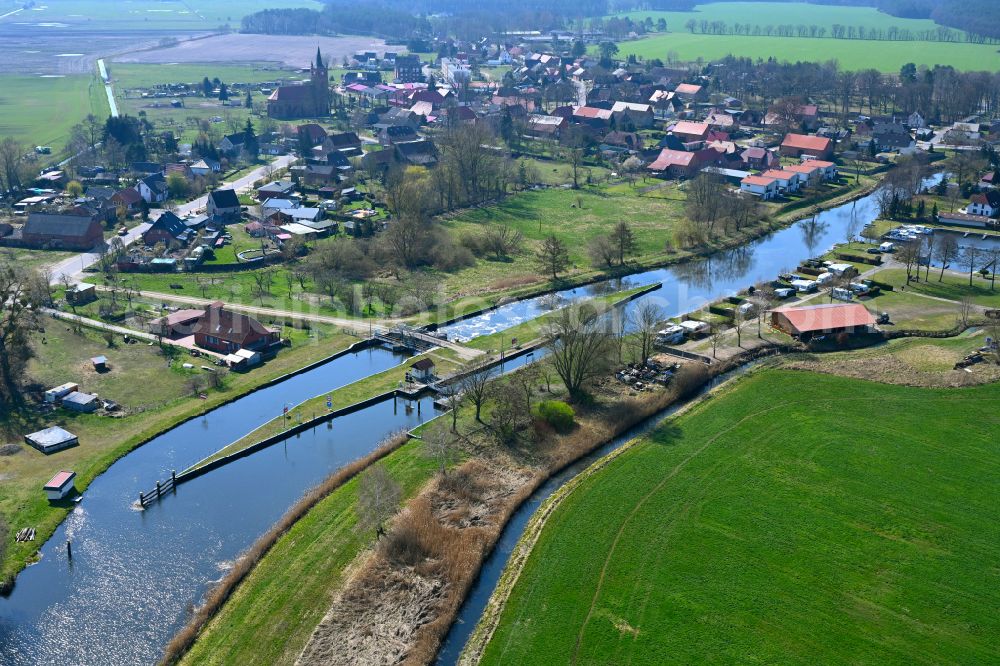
{"x": 687, "y": 286}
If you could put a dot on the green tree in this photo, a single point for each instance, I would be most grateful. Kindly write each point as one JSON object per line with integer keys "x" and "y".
{"x": 250, "y": 143}
{"x": 552, "y": 257}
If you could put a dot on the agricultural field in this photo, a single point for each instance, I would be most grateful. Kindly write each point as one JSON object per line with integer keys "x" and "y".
{"x": 134, "y": 75}
{"x": 887, "y": 56}
{"x": 40, "y": 111}
{"x": 780, "y": 521}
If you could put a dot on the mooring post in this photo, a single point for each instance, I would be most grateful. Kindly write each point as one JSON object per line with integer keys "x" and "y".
{"x": 418, "y": 407}
{"x": 173, "y": 475}
{"x": 142, "y": 501}
{"x": 157, "y": 488}
{"x": 69, "y": 549}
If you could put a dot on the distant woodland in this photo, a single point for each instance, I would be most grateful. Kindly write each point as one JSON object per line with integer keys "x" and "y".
{"x": 406, "y": 19}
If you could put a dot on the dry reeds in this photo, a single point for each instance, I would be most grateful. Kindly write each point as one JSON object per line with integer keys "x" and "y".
{"x": 217, "y": 596}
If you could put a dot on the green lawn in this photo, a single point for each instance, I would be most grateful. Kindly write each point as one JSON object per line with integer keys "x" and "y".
{"x": 953, "y": 287}
{"x": 852, "y": 54}
{"x": 40, "y": 111}
{"x": 165, "y": 399}
{"x": 783, "y": 521}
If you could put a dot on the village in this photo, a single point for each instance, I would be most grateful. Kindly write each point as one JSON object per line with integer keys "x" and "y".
{"x": 523, "y": 227}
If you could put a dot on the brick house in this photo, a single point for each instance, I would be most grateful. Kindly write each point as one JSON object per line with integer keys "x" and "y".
{"x": 223, "y": 331}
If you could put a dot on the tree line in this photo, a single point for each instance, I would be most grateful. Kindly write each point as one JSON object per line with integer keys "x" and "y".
{"x": 836, "y": 31}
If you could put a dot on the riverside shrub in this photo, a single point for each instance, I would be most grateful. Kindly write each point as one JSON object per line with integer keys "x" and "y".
{"x": 557, "y": 414}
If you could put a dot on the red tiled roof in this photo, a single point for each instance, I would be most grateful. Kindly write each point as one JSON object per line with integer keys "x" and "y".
{"x": 820, "y": 163}
{"x": 778, "y": 174}
{"x": 687, "y": 89}
{"x": 806, "y": 167}
{"x": 669, "y": 158}
{"x": 592, "y": 112}
{"x": 827, "y": 317}
{"x": 757, "y": 180}
{"x": 818, "y": 144}
{"x": 691, "y": 129}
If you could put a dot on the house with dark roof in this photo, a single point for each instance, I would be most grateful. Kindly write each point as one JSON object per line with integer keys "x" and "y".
{"x": 232, "y": 144}
{"x": 224, "y": 205}
{"x": 892, "y": 137}
{"x": 153, "y": 188}
{"x": 985, "y": 203}
{"x": 167, "y": 229}
{"x": 312, "y": 133}
{"x": 224, "y": 331}
{"x": 278, "y": 189}
{"x": 417, "y": 153}
{"x": 393, "y": 134}
{"x": 58, "y": 230}
{"x": 341, "y": 142}
{"x": 129, "y": 198}
{"x": 758, "y": 158}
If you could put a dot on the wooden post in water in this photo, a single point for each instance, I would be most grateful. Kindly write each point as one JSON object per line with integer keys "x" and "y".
{"x": 141, "y": 499}
{"x": 173, "y": 480}
{"x": 157, "y": 488}
{"x": 69, "y": 549}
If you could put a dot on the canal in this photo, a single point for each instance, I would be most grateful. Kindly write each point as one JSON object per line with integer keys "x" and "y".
{"x": 135, "y": 574}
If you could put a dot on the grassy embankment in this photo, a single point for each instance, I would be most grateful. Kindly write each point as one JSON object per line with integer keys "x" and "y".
{"x": 445, "y": 360}
{"x": 887, "y": 56}
{"x": 166, "y": 399}
{"x": 951, "y": 286}
{"x": 807, "y": 525}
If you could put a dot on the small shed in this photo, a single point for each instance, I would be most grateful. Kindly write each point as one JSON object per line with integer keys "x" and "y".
{"x": 100, "y": 363}
{"x": 423, "y": 370}
{"x": 51, "y": 439}
{"x": 54, "y": 394}
{"x": 81, "y": 293}
{"x": 60, "y": 485}
{"x": 81, "y": 402}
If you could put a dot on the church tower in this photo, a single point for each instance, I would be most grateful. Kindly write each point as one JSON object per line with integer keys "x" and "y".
{"x": 319, "y": 75}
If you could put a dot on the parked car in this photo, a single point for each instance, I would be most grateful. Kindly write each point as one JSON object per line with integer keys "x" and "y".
{"x": 873, "y": 250}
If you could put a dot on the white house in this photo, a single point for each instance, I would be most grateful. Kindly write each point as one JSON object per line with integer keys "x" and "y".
{"x": 60, "y": 485}
{"x": 759, "y": 186}
{"x": 828, "y": 169}
{"x": 986, "y": 204}
{"x": 787, "y": 181}
{"x": 916, "y": 121}
{"x": 153, "y": 189}
{"x": 423, "y": 370}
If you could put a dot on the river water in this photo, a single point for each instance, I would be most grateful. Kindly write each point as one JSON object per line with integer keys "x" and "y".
{"x": 135, "y": 574}
{"x": 684, "y": 289}
{"x": 692, "y": 285}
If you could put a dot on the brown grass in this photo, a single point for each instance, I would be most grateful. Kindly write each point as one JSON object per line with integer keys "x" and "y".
{"x": 217, "y": 596}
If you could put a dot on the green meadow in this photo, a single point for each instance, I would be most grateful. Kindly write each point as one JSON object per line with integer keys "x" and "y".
{"x": 785, "y": 520}
{"x": 887, "y": 56}
{"x": 40, "y": 111}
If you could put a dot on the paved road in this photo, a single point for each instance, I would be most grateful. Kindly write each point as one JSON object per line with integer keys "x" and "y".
{"x": 78, "y": 263}
{"x": 106, "y": 80}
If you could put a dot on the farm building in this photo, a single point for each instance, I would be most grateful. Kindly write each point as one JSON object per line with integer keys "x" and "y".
{"x": 54, "y": 394}
{"x": 797, "y": 145}
{"x": 807, "y": 321}
{"x": 52, "y": 439}
{"x": 59, "y": 230}
{"x": 81, "y": 402}
{"x": 175, "y": 324}
{"x": 60, "y": 485}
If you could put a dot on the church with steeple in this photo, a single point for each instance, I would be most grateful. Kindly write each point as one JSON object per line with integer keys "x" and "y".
{"x": 305, "y": 100}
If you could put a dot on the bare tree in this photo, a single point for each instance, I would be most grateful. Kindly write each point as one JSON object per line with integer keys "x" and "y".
{"x": 552, "y": 257}
{"x": 946, "y": 251}
{"x": 379, "y": 496}
{"x": 623, "y": 241}
{"x": 715, "y": 333}
{"x": 510, "y": 415}
{"x": 453, "y": 397}
{"x": 909, "y": 256}
{"x": 969, "y": 257}
{"x": 580, "y": 346}
{"x": 17, "y": 319}
{"x": 647, "y": 323}
{"x": 502, "y": 240}
{"x": 475, "y": 384}
{"x": 965, "y": 309}
{"x": 441, "y": 445}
